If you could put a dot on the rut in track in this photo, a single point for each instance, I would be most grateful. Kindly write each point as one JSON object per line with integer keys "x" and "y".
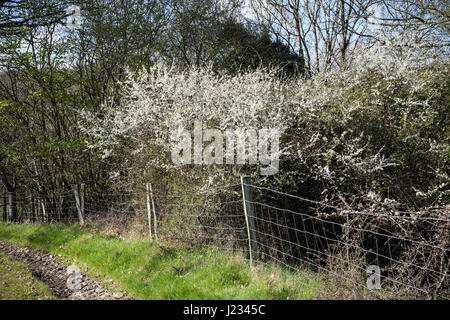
{"x": 52, "y": 272}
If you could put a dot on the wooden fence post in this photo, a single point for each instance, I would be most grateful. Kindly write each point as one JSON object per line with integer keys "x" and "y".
{"x": 44, "y": 214}
{"x": 249, "y": 218}
{"x": 12, "y": 206}
{"x": 82, "y": 200}
{"x": 77, "y": 203}
{"x": 149, "y": 213}
{"x": 38, "y": 211}
{"x": 60, "y": 208}
{"x": 5, "y": 215}
{"x": 154, "y": 212}
{"x": 33, "y": 209}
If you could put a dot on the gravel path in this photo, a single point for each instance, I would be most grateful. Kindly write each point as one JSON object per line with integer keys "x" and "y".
{"x": 55, "y": 274}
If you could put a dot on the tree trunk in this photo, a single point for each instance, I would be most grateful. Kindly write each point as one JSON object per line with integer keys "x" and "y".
{"x": 4, "y": 208}
{"x": 33, "y": 209}
{"x": 12, "y": 206}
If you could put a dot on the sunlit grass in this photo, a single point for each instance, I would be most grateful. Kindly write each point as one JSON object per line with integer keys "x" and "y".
{"x": 150, "y": 270}
{"x": 17, "y": 282}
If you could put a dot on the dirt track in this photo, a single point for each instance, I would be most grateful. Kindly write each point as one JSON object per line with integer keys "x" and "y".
{"x": 52, "y": 272}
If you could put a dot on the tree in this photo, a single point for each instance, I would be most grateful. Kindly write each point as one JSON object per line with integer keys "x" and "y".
{"x": 18, "y": 18}
{"x": 203, "y": 32}
{"x": 193, "y": 30}
{"x": 323, "y": 32}
{"x": 247, "y": 47}
{"x": 429, "y": 20}
{"x": 50, "y": 73}
{"x": 15, "y": 15}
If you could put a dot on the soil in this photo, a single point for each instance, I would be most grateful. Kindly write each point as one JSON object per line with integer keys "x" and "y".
{"x": 53, "y": 273}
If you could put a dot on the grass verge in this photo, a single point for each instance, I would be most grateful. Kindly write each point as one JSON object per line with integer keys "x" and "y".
{"x": 17, "y": 282}
{"x": 148, "y": 270}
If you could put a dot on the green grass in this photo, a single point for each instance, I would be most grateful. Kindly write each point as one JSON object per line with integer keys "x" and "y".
{"x": 17, "y": 282}
{"x": 148, "y": 270}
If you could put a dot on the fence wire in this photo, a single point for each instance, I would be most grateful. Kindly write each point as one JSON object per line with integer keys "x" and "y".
{"x": 412, "y": 252}
{"x": 411, "y": 249}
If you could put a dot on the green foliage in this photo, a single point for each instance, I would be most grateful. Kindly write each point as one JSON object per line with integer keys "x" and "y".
{"x": 376, "y": 130}
{"x": 249, "y": 48}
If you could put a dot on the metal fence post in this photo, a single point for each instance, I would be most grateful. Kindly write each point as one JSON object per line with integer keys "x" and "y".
{"x": 149, "y": 210}
{"x": 249, "y": 218}
{"x": 77, "y": 203}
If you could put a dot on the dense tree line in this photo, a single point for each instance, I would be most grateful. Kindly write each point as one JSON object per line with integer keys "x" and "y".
{"x": 50, "y": 73}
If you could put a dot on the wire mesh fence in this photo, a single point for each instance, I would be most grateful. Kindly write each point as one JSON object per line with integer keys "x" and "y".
{"x": 48, "y": 208}
{"x": 410, "y": 250}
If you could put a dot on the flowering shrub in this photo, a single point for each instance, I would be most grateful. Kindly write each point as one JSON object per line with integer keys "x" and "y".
{"x": 380, "y": 127}
{"x": 160, "y": 102}
{"x": 372, "y": 140}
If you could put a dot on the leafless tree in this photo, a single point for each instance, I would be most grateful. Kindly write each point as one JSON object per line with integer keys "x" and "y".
{"x": 322, "y": 31}
{"x": 326, "y": 32}
{"x": 429, "y": 19}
